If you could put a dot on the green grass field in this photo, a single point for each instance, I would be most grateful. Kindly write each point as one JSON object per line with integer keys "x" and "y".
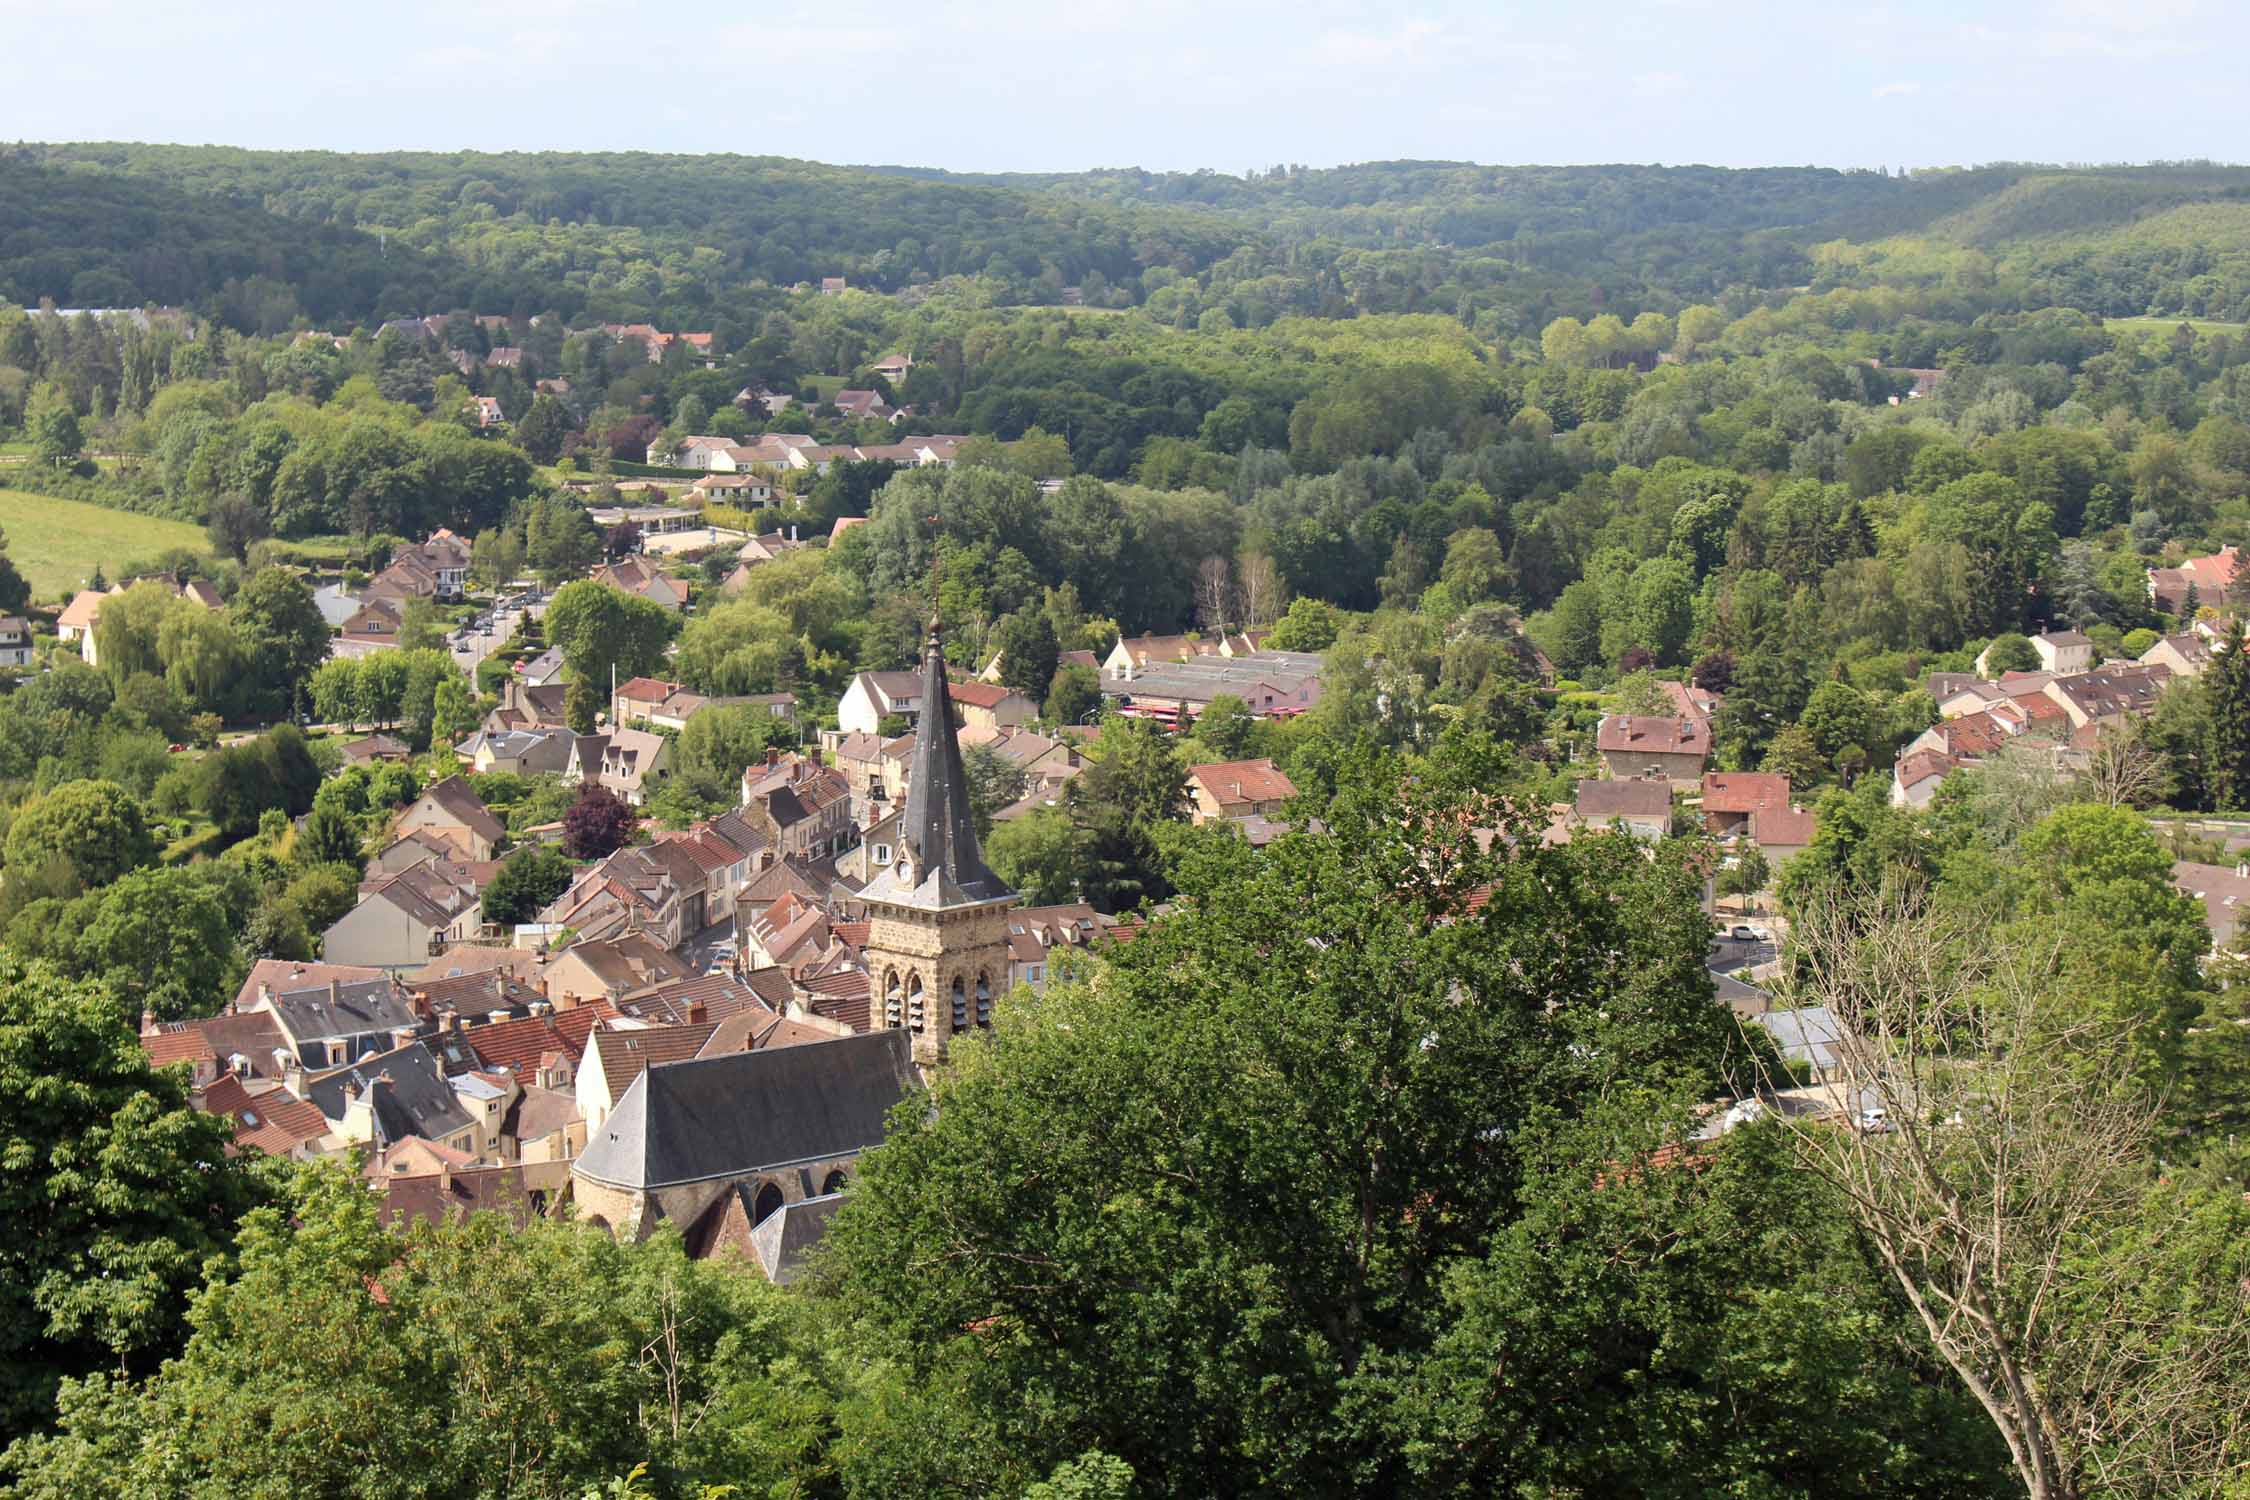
{"x": 2135, "y": 327}
{"x": 57, "y": 543}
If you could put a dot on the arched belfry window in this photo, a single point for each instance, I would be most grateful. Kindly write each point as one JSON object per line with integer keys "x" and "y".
{"x": 914, "y": 1002}
{"x": 892, "y": 1016}
{"x": 984, "y": 1000}
{"x": 766, "y": 1204}
{"x": 960, "y": 1005}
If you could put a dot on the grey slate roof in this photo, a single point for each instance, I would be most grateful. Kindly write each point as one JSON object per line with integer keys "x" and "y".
{"x": 746, "y": 1112}
{"x": 409, "y": 1092}
{"x": 341, "y": 1010}
{"x": 789, "y": 1233}
{"x": 1809, "y": 1035}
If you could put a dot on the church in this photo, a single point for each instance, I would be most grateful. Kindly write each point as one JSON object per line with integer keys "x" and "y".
{"x": 750, "y": 1151}
{"x": 937, "y": 942}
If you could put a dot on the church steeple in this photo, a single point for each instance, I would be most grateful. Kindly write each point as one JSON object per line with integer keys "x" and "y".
{"x": 937, "y": 943}
{"x": 937, "y": 833}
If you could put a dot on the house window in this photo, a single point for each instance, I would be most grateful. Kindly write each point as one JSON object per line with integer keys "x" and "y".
{"x": 881, "y": 853}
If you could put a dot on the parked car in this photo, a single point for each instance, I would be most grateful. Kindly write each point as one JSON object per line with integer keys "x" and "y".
{"x": 1745, "y": 934}
{"x": 1874, "y": 1120}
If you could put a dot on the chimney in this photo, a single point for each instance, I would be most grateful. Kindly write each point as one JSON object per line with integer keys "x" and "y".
{"x": 773, "y": 755}
{"x": 444, "y": 1175}
{"x": 265, "y": 993}
{"x": 335, "y": 992}
{"x": 293, "y": 1080}
{"x": 148, "y": 1023}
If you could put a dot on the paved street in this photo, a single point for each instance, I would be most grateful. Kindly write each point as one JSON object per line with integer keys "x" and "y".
{"x": 697, "y": 950}
{"x": 473, "y": 642}
{"x": 1728, "y": 956}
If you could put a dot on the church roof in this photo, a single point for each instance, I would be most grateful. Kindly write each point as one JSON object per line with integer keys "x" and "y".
{"x": 945, "y": 867}
{"x": 786, "y": 1237}
{"x": 745, "y": 1112}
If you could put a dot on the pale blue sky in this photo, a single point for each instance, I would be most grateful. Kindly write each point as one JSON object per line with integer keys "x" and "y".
{"x": 1011, "y": 85}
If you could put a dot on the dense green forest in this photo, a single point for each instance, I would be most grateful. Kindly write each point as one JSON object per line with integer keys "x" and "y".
{"x": 636, "y": 235}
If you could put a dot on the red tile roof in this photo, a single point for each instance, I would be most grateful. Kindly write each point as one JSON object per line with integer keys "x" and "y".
{"x": 1973, "y": 735}
{"x": 845, "y": 997}
{"x": 626, "y": 1055}
{"x": 1650, "y": 735}
{"x": 283, "y": 975}
{"x": 515, "y": 1047}
{"x": 184, "y": 1045}
{"x": 1788, "y": 827}
{"x": 1599, "y": 801}
{"x": 1744, "y": 791}
{"x": 1243, "y": 781}
{"x": 1921, "y": 766}
{"x": 273, "y": 1122}
{"x": 981, "y": 694}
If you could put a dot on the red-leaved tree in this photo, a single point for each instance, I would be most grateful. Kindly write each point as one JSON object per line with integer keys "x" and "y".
{"x": 598, "y": 824}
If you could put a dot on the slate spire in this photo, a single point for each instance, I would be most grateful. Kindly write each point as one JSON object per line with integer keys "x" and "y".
{"x": 937, "y": 831}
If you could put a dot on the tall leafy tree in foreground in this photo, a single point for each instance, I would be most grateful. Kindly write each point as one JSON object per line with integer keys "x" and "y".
{"x": 1133, "y": 785}
{"x": 469, "y": 1359}
{"x": 1211, "y": 1211}
{"x": 2018, "y": 1047}
{"x": 116, "y": 1192}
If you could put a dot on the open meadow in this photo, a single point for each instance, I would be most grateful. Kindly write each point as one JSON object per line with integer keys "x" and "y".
{"x": 57, "y": 543}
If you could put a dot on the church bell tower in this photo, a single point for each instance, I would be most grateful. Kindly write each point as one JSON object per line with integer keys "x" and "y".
{"x": 937, "y": 941}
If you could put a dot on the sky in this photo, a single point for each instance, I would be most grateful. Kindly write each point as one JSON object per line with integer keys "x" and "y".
{"x": 1026, "y": 85}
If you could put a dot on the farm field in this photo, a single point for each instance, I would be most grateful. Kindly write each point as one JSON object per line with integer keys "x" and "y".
{"x": 2166, "y": 325}
{"x": 56, "y": 543}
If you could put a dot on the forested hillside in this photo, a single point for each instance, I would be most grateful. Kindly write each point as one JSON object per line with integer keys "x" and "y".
{"x": 265, "y": 237}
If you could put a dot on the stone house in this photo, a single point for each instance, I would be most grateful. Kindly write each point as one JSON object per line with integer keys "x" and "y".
{"x": 1644, "y": 807}
{"x": 803, "y": 808}
{"x": 405, "y": 919}
{"x": 1236, "y": 789}
{"x": 1639, "y": 745}
{"x": 450, "y": 811}
{"x": 875, "y": 696}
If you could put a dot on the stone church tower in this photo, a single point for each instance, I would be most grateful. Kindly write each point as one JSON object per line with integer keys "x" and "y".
{"x": 937, "y": 941}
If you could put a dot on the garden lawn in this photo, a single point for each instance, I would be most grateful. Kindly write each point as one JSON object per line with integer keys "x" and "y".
{"x": 58, "y": 543}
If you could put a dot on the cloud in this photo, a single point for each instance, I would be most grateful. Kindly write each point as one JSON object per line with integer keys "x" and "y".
{"x": 1889, "y": 90}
